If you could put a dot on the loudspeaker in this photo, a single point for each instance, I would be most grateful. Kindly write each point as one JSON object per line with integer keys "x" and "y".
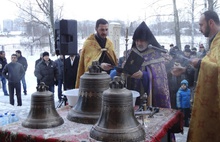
{"x": 66, "y": 37}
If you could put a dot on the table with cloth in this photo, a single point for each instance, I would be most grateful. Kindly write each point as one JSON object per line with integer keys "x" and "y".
{"x": 167, "y": 120}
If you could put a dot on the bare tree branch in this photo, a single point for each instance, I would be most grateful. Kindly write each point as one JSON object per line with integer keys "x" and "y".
{"x": 43, "y": 5}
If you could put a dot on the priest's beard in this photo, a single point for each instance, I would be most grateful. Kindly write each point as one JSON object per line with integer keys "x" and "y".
{"x": 207, "y": 31}
{"x": 141, "y": 48}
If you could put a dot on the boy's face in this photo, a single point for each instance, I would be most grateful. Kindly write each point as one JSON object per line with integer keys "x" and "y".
{"x": 183, "y": 86}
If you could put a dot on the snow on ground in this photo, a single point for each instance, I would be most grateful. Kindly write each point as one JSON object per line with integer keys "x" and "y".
{"x": 31, "y": 85}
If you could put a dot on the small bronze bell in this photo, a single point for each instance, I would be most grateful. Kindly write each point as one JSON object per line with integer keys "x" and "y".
{"x": 117, "y": 121}
{"x": 88, "y": 106}
{"x": 42, "y": 113}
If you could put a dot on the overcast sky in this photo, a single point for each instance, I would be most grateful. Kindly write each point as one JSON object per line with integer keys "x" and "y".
{"x": 7, "y": 10}
{"x": 113, "y": 9}
{"x": 126, "y": 10}
{"x": 94, "y": 9}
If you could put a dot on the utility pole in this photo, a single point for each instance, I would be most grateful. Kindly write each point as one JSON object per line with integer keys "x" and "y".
{"x": 177, "y": 27}
{"x": 192, "y": 24}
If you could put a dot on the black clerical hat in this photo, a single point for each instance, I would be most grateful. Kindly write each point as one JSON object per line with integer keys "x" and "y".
{"x": 142, "y": 32}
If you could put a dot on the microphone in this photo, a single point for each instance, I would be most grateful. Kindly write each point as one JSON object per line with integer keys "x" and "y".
{"x": 157, "y": 48}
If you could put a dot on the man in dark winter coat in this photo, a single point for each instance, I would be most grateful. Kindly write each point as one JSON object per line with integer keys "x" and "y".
{"x": 71, "y": 66}
{"x": 22, "y": 60}
{"x": 60, "y": 67}
{"x": 36, "y": 62}
{"x": 46, "y": 71}
{"x": 14, "y": 72}
{"x": 3, "y": 62}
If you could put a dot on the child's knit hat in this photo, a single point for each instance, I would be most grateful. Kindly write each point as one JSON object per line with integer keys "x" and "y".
{"x": 184, "y": 82}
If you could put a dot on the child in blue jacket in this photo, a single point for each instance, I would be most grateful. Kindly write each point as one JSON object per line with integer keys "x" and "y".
{"x": 183, "y": 101}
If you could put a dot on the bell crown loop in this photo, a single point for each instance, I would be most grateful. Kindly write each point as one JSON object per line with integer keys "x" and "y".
{"x": 42, "y": 87}
{"x": 95, "y": 68}
{"x": 117, "y": 83}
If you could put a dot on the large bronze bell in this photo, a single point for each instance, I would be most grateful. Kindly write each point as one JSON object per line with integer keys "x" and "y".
{"x": 42, "y": 113}
{"x": 92, "y": 85}
{"x": 117, "y": 121}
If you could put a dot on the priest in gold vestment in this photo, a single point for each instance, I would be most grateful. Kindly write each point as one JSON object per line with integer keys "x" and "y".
{"x": 97, "y": 47}
{"x": 205, "y": 118}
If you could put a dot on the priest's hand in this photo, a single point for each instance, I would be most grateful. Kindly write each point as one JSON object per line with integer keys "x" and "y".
{"x": 137, "y": 75}
{"x": 106, "y": 66}
{"x": 177, "y": 69}
{"x": 194, "y": 62}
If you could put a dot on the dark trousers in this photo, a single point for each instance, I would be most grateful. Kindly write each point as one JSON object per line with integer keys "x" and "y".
{"x": 24, "y": 84}
{"x": 186, "y": 112}
{"x": 17, "y": 87}
{"x": 3, "y": 79}
{"x": 60, "y": 84}
{"x": 38, "y": 82}
{"x": 51, "y": 88}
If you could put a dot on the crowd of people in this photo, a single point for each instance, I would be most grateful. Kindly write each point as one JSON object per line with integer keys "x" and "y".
{"x": 61, "y": 72}
{"x": 179, "y": 79}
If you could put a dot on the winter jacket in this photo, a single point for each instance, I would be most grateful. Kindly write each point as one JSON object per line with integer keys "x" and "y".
{"x": 60, "y": 67}
{"x": 23, "y": 61}
{"x": 183, "y": 97}
{"x": 46, "y": 73}
{"x": 3, "y": 62}
{"x": 37, "y": 61}
{"x": 13, "y": 72}
{"x": 71, "y": 72}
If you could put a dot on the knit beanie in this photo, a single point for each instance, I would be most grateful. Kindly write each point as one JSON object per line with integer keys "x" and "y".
{"x": 184, "y": 82}
{"x": 45, "y": 54}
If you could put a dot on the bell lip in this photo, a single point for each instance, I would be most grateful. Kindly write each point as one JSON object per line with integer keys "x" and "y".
{"x": 84, "y": 118}
{"x": 119, "y": 131}
{"x": 42, "y": 123}
{"x": 97, "y": 133}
